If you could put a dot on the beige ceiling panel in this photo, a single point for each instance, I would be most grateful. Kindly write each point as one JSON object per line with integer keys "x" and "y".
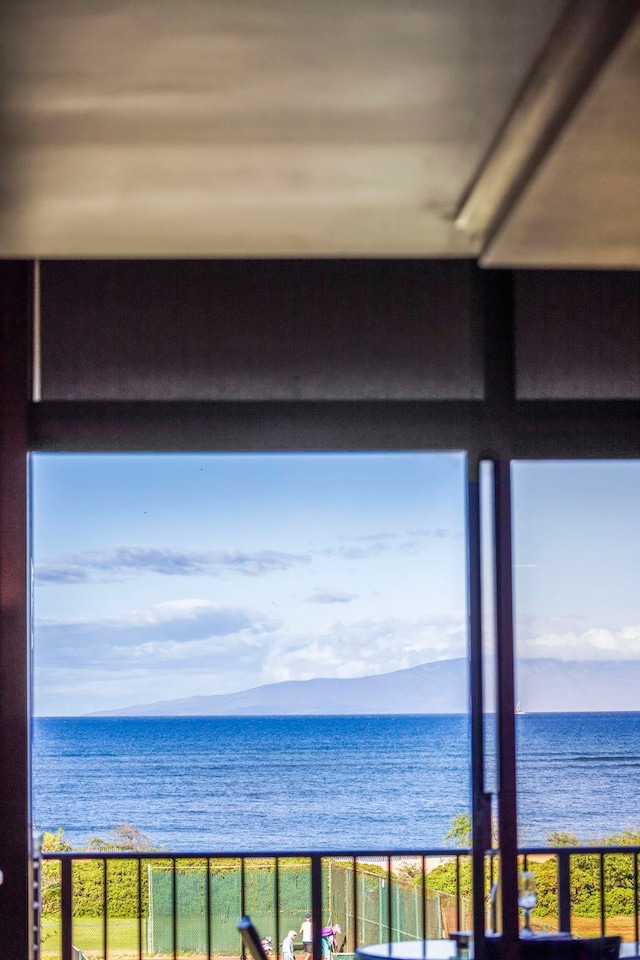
{"x": 261, "y": 127}
{"x": 582, "y": 208}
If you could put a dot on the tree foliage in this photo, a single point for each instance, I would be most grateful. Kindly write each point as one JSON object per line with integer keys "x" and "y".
{"x": 460, "y": 830}
{"x": 585, "y": 896}
{"x": 89, "y": 891}
{"x": 126, "y": 888}
{"x": 124, "y": 836}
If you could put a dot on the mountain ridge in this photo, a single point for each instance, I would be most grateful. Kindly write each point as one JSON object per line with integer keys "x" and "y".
{"x": 440, "y": 686}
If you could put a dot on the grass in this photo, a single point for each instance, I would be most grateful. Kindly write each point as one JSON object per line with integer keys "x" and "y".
{"x": 87, "y": 936}
{"x": 616, "y": 926}
{"x": 123, "y": 936}
{"x": 122, "y": 940}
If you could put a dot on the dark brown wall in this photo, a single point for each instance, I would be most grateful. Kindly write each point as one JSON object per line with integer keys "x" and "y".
{"x": 342, "y": 355}
{"x": 577, "y": 335}
{"x": 261, "y": 330}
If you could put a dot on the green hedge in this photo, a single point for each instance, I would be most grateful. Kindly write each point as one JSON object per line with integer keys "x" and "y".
{"x": 88, "y": 888}
{"x": 124, "y": 899}
{"x": 585, "y": 885}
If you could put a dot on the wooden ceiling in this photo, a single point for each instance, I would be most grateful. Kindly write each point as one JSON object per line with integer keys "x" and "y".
{"x": 208, "y": 128}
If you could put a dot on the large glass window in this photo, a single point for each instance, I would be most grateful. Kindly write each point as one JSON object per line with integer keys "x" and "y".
{"x": 233, "y": 651}
{"x": 577, "y": 571}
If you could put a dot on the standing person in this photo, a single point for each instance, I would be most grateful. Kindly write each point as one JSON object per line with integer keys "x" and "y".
{"x": 307, "y": 936}
{"x": 287, "y": 945}
{"x": 328, "y": 942}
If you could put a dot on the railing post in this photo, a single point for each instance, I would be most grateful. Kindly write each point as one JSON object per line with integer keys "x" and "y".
{"x": 636, "y": 931}
{"x": 355, "y": 905}
{"x": 66, "y": 907}
{"x": 207, "y": 912}
{"x": 564, "y": 891}
{"x": 389, "y": 902}
{"x": 316, "y": 904}
{"x": 603, "y": 904}
{"x": 174, "y": 907}
{"x": 243, "y": 901}
{"x": 276, "y": 905}
{"x": 140, "y": 912}
{"x": 105, "y": 909}
{"x": 37, "y": 894}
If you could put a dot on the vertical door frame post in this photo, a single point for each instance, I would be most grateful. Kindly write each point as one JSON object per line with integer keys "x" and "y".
{"x": 16, "y": 891}
{"x": 505, "y": 707}
{"x": 480, "y": 801}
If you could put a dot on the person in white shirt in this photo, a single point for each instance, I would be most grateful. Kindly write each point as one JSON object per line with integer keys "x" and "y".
{"x": 307, "y": 936}
{"x": 287, "y": 945}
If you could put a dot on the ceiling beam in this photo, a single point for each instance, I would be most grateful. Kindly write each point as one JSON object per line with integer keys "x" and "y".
{"x": 524, "y": 430}
{"x": 581, "y": 43}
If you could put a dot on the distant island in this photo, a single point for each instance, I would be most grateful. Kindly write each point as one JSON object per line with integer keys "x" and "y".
{"x": 544, "y": 686}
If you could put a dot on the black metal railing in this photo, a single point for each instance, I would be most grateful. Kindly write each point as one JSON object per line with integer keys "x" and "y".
{"x": 170, "y": 904}
{"x": 609, "y": 874}
{"x": 113, "y": 904}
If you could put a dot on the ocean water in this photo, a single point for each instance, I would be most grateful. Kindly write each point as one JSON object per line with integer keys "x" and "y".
{"x": 287, "y": 783}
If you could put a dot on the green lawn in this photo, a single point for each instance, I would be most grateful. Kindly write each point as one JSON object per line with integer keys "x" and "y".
{"x": 87, "y": 936}
{"x": 122, "y": 943}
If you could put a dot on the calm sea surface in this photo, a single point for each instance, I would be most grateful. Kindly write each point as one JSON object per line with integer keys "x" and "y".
{"x": 312, "y": 782}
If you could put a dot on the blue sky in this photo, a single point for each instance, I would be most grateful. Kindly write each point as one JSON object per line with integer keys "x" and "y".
{"x": 169, "y": 576}
{"x": 577, "y": 557}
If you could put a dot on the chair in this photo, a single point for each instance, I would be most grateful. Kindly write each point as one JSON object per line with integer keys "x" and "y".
{"x": 251, "y": 939}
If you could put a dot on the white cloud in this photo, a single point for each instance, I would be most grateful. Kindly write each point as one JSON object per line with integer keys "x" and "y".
{"x": 184, "y": 630}
{"x": 440, "y": 533}
{"x": 373, "y": 544}
{"x": 188, "y": 647}
{"x": 577, "y": 641}
{"x": 371, "y": 537}
{"x": 356, "y": 553}
{"x": 326, "y": 595}
{"x": 99, "y": 566}
{"x": 365, "y": 647}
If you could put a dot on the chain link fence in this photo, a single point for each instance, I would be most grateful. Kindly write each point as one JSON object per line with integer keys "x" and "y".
{"x": 370, "y": 904}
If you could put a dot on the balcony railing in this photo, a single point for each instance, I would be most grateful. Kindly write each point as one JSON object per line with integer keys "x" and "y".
{"x": 112, "y": 904}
